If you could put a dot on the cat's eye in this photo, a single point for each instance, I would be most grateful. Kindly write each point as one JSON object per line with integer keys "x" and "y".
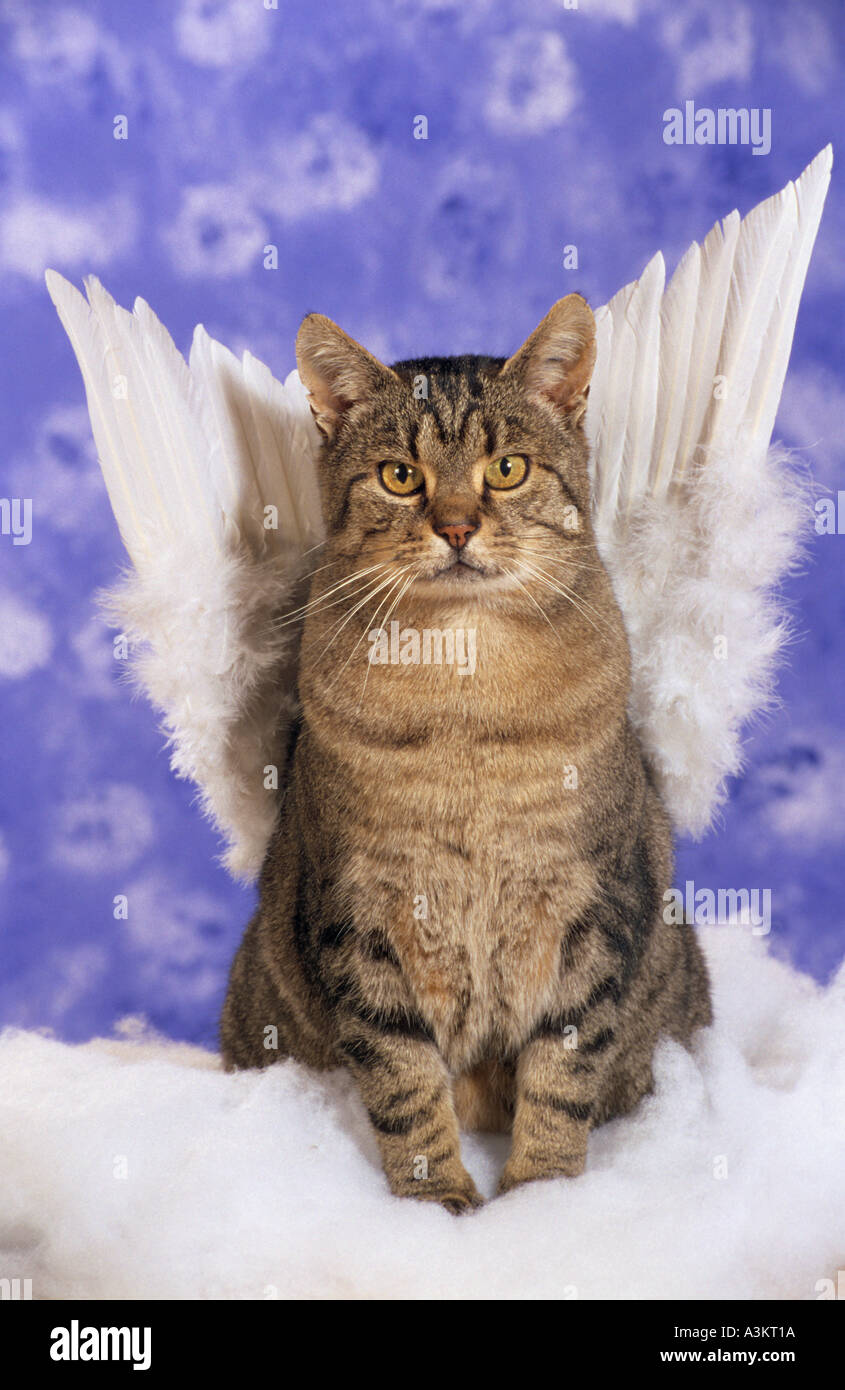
{"x": 401, "y": 478}
{"x": 506, "y": 472}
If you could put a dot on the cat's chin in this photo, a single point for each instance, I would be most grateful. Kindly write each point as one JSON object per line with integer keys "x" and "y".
{"x": 461, "y": 574}
{"x": 462, "y": 578}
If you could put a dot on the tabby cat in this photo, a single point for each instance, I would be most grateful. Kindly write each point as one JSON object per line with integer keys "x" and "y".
{"x": 462, "y": 900}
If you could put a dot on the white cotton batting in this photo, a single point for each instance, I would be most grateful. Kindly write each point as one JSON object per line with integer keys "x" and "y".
{"x": 140, "y": 1170}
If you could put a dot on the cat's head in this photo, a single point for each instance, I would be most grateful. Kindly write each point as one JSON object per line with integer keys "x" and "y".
{"x": 469, "y": 471}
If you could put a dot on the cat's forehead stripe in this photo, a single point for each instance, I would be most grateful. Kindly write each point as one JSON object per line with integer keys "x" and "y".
{"x": 432, "y": 425}
{"x": 413, "y": 432}
{"x": 455, "y": 421}
{"x": 470, "y": 410}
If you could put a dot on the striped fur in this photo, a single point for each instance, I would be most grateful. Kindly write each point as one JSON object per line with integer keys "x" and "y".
{"x": 462, "y": 901}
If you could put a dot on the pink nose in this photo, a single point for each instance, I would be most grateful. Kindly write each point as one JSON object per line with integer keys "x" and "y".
{"x": 457, "y": 533}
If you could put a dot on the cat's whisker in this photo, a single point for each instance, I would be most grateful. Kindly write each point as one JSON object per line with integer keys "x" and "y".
{"x": 554, "y": 557}
{"x": 371, "y": 586}
{"x": 316, "y": 606}
{"x": 296, "y": 614}
{"x": 566, "y": 593}
{"x": 555, "y": 560}
{"x": 568, "y": 566}
{"x": 349, "y": 579}
{"x": 373, "y": 621}
{"x": 538, "y": 606}
{"x": 376, "y": 622}
{"x": 327, "y": 566}
{"x": 571, "y": 595}
{"x": 379, "y": 586}
{"x": 388, "y": 615}
{"x": 397, "y": 600}
{"x": 557, "y": 585}
{"x": 415, "y": 569}
{"x": 376, "y": 619}
{"x": 375, "y": 587}
{"x": 340, "y": 623}
{"x": 321, "y": 600}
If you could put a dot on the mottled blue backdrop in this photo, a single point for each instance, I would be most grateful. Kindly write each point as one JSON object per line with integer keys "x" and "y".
{"x": 250, "y": 125}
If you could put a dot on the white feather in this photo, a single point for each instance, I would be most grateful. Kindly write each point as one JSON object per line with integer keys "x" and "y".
{"x": 192, "y": 457}
{"x": 602, "y": 485}
{"x": 160, "y": 486}
{"x": 677, "y": 339}
{"x": 717, "y": 259}
{"x": 704, "y": 621}
{"x": 809, "y": 192}
{"x": 642, "y": 318}
{"x": 89, "y": 343}
{"x": 609, "y": 407}
{"x": 760, "y": 258}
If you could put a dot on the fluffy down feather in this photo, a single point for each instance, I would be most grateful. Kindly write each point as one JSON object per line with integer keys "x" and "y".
{"x": 696, "y": 574}
{"x": 220, "y": 671}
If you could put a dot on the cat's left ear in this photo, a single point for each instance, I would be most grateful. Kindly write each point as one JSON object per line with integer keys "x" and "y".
{"x": 557, "y": 360}
{"x": 335, "y": 370}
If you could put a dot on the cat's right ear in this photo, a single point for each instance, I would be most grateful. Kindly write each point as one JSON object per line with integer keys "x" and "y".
{"x": 556, "y": 362}
{"x": 336, "y": 371}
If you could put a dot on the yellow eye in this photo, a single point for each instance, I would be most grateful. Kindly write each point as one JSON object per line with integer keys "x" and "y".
{"x": 401, "y": 478}
{"x": 506, "y": 472}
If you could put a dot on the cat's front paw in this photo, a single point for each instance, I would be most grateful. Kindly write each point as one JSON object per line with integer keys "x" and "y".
{"x": 519, "y": 1171}
{"x": 455, "y": 1197}
{"x": 460, "y": 1201}
{"x": 456, "y": 1192}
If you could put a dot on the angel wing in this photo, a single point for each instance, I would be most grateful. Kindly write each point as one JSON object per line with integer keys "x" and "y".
{"x": 210, "y": 472}
{"x": 696, "y": 519}
{"x": 210, "y": 469}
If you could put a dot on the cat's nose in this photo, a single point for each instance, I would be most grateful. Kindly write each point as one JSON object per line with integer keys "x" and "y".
{"x": 457, "y": 533}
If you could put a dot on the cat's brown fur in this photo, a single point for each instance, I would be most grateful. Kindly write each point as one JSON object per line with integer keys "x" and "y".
{"x": 462, "y": 900}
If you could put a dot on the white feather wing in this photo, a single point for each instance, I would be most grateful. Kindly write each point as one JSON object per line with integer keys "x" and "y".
{"x": 210, "y": 472}
{"x": 696, "y": 518}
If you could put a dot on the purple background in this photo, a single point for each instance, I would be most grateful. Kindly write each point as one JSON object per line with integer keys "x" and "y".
{"x": 250, "y": 126}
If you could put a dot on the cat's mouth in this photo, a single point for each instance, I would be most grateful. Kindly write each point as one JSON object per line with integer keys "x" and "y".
{"x": 461, "y": 570}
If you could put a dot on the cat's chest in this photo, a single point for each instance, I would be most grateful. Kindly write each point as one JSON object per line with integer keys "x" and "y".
{"x": 484, "y": 958}
{"x": 475, "y": 907}
{"x": 465, "y": 833}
